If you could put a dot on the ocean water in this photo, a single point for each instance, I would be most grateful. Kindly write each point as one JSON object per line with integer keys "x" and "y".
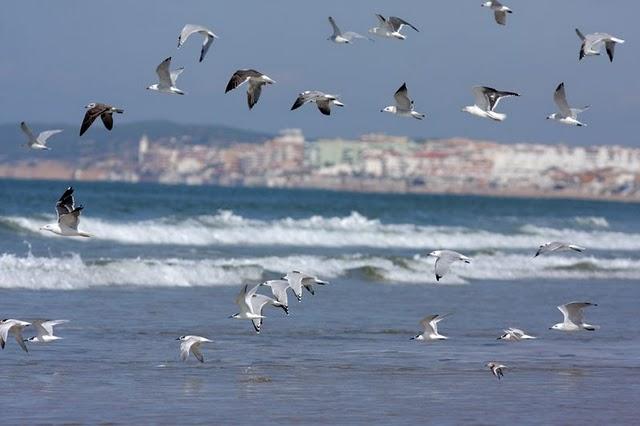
{"x": 168, "y": 260}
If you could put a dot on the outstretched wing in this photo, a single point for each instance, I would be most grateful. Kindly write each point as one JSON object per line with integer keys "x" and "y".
{"x": 560, "y": 98}
{"x": 482, "y": 101}
{"x": 336, "y": 30}
{"x": 44, "y": 136}
{"x": 253, "y": 93}
{"x": 324, "y": 106}
{"x": 397, "y": 23}
{"x": 91, "y": 115}
{"x": 27, "y": 131}
{"x": 403, "y": 102}
{"x": 239, "y": 77}
{"x": 442, "y": 266}
{"x": 164, "y": 76}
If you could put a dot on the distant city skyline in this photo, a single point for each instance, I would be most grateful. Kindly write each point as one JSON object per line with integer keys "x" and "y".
{"x": 85, "y": 52}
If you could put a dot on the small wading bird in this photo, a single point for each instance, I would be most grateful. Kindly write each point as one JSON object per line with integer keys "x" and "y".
{"x": 68, "y": 217}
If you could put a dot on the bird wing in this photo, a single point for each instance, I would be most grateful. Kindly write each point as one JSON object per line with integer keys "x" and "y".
{"x": 258, "y": 301}
{"x": 574, "y": 311}
{"x": 428, "y": 324}
{"x": 187, "y": 31}
{"x": 295, "y": 282}
{"x": 206, "y": 44}
{"x": 397, "y": 23}
{"x": 17, "y": 334}
{"x": 560, "y": 98}
{"x": 495, "y": 96}
{"x": 253, "y": 93}
{"x": 43, "y": 136}
{"x": 279, "y": 290}
{"x": 500, "y": 16}
{"x": 175, "y": 74}
{"x": 305, "y": 97}
{"x": 185, "y": 347}
{"x": 164, "y": 77}
{"x": 239, "y": 77}
{"x": 579, "y": 33}
{"x": 71, "y": 219}
{"x": 4, "y": 333}
{"x": 44, "y": 328}
{"x": 403, "y": 102}
{"x": 27, "y": 131}
{"x": 382, "y": 22}
{"x": 324, "y": 105}
{"x": 350, "y": 35}
{"x": 610, "y": 46}
{"x": 336, "y": 30}
{"x": 107, "y": 120}
{"x": 91, "y": 115}
{"x": 66, "y": 203}
{"x": 443, "y": 263}
{"x": 482, "y": 101}
{"x": 197, "y": 352}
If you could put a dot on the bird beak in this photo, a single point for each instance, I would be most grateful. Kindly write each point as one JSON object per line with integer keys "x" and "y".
{"x": 178, "y": 338}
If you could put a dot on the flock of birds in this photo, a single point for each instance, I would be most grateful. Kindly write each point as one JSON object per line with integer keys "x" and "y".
{"x": 251, "y": 303}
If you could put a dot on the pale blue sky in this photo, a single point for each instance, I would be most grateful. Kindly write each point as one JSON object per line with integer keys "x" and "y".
{"x": 59, "y": 55}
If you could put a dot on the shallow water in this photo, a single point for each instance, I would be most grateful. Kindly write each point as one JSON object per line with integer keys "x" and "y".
{"x": 343, "y": 355}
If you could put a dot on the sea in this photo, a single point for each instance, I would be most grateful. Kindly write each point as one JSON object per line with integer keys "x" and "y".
{"x": 168, "y": 260}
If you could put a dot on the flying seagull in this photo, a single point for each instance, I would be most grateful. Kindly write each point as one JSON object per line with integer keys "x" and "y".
{"x": 404, "y": 105}
{"x": 496, "y": 369}
{"x": 322, "y": 100}
{"x": 192, "y": 344}
{"x": 68, "y": 217}
{"x": 190, "y": 29}
{"x": 167, "y": 79}
{"x": 487, "y": 99}
{"x": 390, "y": 27}
{"x": 554, "y": 246}
{"x": 297, "y": 280}
{"x": 14, "y": 327}
{"x": 95, "y": 110}
{"x": 515, "y": 334}
{"x": 567, "y": 115}
{"x": 258, "y": 302}
{"x": 44, "y": 331}
{"x": 247, "y": 312}
{"x": 430, "y": 328}
{"x": 592, "y": 43}
{"x": 444, "y": 259}
{"x": 499, "y": 11}
{"x": 343, "y": 38}
{"x": 574, "y": 317}
{"x": 279, "y": 290}
{"x": 39, "y": 142}
{"x": 256, "y": 81}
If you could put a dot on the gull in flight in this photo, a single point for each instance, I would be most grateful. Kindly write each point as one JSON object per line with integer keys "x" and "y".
{"x": 297, "y": 280}
{"x": 444, "y": 259}
{"x": 258, "y": 302}
{"x": 515, "y": 334}
{"x": 487, "y": 99}
{"x": 44, "y": 331}
{"x": 499, "y": 11}
{"x": 567, "y": 115}
{"x": 190, "y": 29}
{"x": 68, "y": 217}
{"x": 390, "y": 27}
{"x": 39, "y": 142}
{"x": 574, "y": 317}
{"x": 167, "y": 79}
{"x": 496, "y": 369}
{"x": 95, "y": 110}
{"x": 192, "y": 344}
{"x": 14, "y": 327}
{"x": 322, "y": 100}
{"x": 247, "y": 312}
{"x": 279, "y": 290}
{"x": 430, "y": 327}
{"x": 404, "y": 104}
{"x": 592, "y": 43}
{"x": 256, "y": 81}
{"x": 553, "y": 246}
{"x": 343, "y": 38}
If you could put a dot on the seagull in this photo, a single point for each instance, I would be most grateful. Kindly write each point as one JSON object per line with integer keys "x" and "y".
{"x": 567, "y": 115}
{"x": 258, "y": 302}
{"x": 574, "y": 318}
{"x": 167, "y": 79}
{"x": 95, "y": 110}
{"x": 487, "y": 99}
{"x": 404, "y": 104}
{"x": 499, "y": 11}
{"x": 247, "y": 312}
{"x": 592, "y": 43}
{"x": 390, "y": 27}
{"x": 68, "y": 217}
{"x": 430, "y": 326}
{"x": 256, "y": 81}
{"x": 39, "y": 142}
{"x": 190, "y": 29}
{"x": 14, "y": 327}
{"x": 444, "y": 259}
{"x": 44, "y": 331}
{"x": 496, "y": 369}
{"x": 553, "y": 246}
{"x": 279, "y": 291}
{"x": 515, "y": 334}
{"x": 343, "y": 38}
{"x": 192, "y": 344}
{"x": 297, "y": 280}
{"x": 322, "y": 100}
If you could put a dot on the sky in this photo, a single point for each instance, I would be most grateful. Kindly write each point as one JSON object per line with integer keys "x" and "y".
{"x": 59, "y": 56}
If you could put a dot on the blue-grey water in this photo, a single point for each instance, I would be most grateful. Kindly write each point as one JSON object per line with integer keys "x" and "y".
{"x": 168, "y": 260}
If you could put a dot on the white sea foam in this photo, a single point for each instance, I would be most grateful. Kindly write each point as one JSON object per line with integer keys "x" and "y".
{"x": 72, "y": 272}
{"x": 355, "y": 230}
{"x": 593, "y": 221}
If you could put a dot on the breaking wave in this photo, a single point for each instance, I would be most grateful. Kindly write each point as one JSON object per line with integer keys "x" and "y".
{"x": 73, "y": 272}
{"x": 355, "y": 230}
